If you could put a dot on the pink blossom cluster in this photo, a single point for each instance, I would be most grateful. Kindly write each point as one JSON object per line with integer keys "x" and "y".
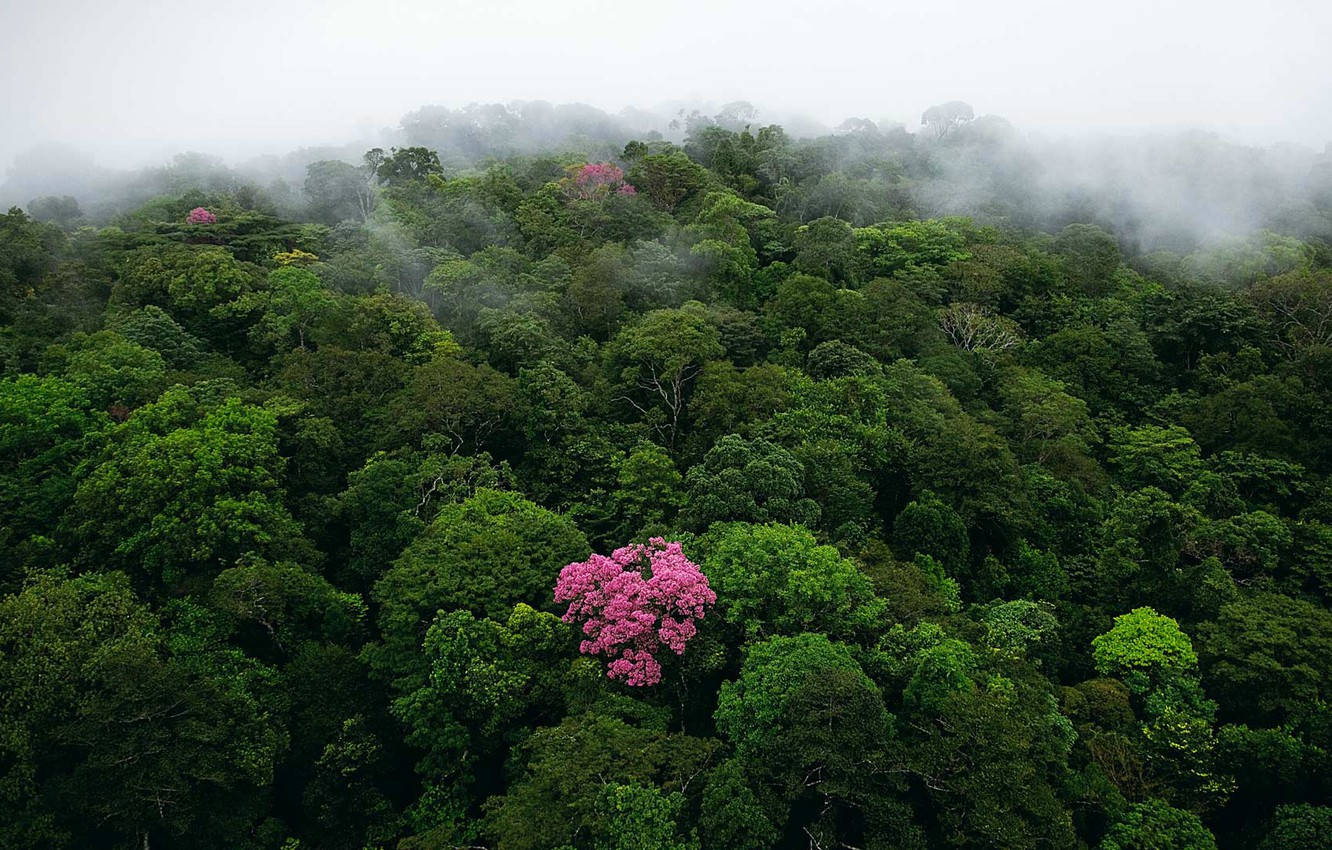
{"x": 599, "y": 174}
{"x": 597, "y": 180}
{"x": 199, "y": 215}
{"x": 634, "y": 602}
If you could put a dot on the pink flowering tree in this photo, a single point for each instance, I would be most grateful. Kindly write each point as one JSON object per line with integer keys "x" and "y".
{"x": 596, "y": 180}
{"x": 199, "y": 215}
{"x": 632, "y": 604}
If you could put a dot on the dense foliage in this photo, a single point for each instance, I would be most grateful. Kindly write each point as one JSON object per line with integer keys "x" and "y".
{"x": 980, "y": 535}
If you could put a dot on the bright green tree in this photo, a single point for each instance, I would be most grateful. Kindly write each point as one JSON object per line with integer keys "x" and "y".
{"x": 776, "y": 580}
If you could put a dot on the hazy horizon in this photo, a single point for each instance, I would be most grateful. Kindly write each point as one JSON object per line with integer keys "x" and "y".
{"x": 134, "y": 83}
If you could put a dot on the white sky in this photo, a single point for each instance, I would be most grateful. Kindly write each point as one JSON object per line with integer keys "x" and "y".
{"x": 134, "y": 82}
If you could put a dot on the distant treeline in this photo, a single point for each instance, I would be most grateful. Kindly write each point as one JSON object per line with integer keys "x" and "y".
{"x": 1169, "y": 192}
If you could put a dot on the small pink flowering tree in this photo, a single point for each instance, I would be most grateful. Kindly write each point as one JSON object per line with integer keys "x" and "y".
{"x": 633, "y": 603}
{"x": 596, "y": 180}
{"x": 199, "y": 215}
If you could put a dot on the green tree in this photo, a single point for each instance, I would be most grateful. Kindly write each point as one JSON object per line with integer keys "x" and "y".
{"x": 727, "y": 399}
{"x": 1268, "y": 658}
{"x": 776, "y": 580}
{"x": 810, "y": 728}
{"x": 1298, "y": 307}
{"x": 655, "y": 362}
{"x": 488, "y": 683}
{"x": 292, "y": 304}
{"x": 28, "y": 250}
{"x": 987, "y": 752}
{"x": 1155, "y": 659}
{"x": 747, "y": 481}
{"x": 401, "y": 165}
{"x": 47, "y": 427}
{"x": 731, "y": 814}
{"x": 729, "y": 228}
{"x": 289, "y": 603}
{"x": 669, "y": 179}
{"x": 1145, "y": 649}
{"x": 151, "y": 327}
{"x": 188, "y": 282}
{"x": 112, "y": 725}
{"x": 649, "y": 492}
{"x": 469, "y": 407}
{"x": 115, "y": 373}
{"x": 483, "y": 555}
{"x": 638, "y": 817}
{"x": 825, "y": 248}
{"x": 337, "y": 191}
{"x": 1155, "y": 456}
{"x": 183, "y": 492}
{"x": 1299, "y": 827}
{"x": 930, "y": 527}
{"x": 1108, "y": 367}
{"x": 1047, "y": 424}
{"x": 1156, "y": 825}
{"x": 885, "y": 249}
{"x": 558, "y": 798}
{"x": 1091, "y": 257}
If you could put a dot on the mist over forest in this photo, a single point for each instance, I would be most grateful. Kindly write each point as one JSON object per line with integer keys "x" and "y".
{"x": 1175, "y": 191}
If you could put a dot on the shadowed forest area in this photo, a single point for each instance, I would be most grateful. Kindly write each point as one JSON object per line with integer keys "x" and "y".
{"x": 540, "y": 478}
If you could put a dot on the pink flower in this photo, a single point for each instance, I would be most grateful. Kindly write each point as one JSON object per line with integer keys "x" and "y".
{"x": 596, "y": 180}
{"x": 199, "y": 215}
{"x": 634, "y": 602}
{"x": 599, "y": 174}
